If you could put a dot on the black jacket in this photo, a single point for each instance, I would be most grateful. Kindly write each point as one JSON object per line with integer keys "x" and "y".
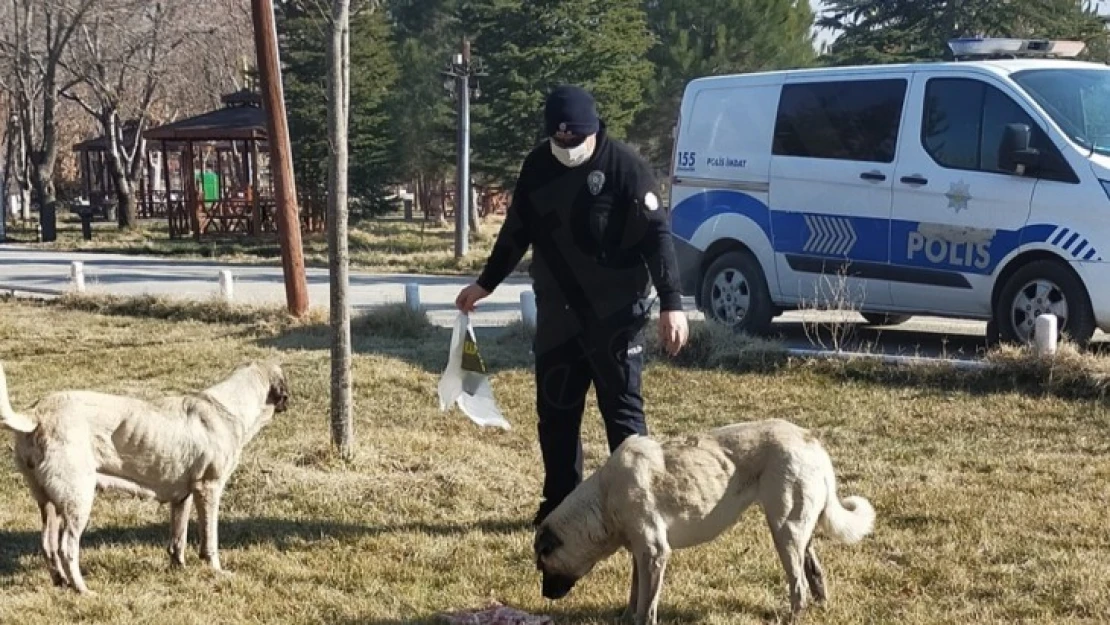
{"x": 599, "y": 235}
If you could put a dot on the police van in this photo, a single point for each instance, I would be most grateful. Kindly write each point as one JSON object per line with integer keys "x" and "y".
{"x": 977, "y": 188}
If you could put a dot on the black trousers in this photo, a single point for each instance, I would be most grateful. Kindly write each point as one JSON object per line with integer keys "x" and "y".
{"x": 609, "y": 357}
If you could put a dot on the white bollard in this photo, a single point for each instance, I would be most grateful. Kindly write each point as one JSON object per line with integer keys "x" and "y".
{"x": 1045, "y": 335}
{"x": 412, "y": 296}
{"x": 227, "y": 286}
{"x": 528, "y": 308}
{"x": 77, "y": 276}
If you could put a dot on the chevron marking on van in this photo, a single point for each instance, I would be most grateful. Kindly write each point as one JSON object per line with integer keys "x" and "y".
{"x": 1073, "y": 243}
{"x": 829, "y": 235}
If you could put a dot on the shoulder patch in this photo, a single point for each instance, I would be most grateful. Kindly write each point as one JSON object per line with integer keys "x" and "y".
{"x": 651, "y": 201}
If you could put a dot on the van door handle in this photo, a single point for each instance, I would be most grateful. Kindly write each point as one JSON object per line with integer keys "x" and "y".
{"x": 873, "y": 175}
{"x": 919, "y": 180}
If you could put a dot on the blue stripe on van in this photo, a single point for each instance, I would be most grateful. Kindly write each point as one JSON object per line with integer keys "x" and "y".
{"x": 695, "y": 210}
{"x": 867, "y": 239}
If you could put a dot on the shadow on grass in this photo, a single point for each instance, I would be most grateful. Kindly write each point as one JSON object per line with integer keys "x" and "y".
{"x": 599, "y": 614}
{"x": 241, "y": 533}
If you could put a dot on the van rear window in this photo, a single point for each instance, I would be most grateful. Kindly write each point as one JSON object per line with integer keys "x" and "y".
{"x": 855, "y": 120}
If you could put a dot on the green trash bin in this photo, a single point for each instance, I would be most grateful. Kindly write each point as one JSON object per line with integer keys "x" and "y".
{"x": 210, "y": 185}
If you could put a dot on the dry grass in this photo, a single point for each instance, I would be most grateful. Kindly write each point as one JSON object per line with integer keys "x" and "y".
{"x": 383, "y": 245}
{"x": 991, "y": 490}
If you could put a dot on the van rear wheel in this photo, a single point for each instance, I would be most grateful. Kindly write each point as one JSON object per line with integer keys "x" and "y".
{"x": 1044, "y": 287}
{"x": 734, "y": 293}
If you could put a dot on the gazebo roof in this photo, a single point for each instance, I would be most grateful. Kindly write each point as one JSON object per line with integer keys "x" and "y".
{"x": 242, "y": 118}
{"x": 100, "y": 143}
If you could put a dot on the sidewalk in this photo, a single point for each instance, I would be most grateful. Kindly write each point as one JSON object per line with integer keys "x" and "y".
{"x": 23, "y": 268}
{"x": 137, "y": 275}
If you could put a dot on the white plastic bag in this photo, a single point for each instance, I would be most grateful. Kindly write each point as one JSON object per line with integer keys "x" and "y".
{"x": 464, "y": 381}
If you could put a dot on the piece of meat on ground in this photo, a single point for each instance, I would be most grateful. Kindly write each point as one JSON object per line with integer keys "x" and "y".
{"x": 496, "y": 614}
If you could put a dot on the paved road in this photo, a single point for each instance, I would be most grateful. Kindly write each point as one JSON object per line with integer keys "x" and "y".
{"x": 134, "y": 275}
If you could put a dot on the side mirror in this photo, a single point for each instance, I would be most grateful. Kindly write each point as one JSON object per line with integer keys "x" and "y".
{"x": 1015, "y": 154}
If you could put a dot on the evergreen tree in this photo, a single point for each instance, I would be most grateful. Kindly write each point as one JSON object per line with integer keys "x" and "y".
{"x": 424, "y": 33}
{"x": 894, "y": 31}
{"x": 529, "y": 47}
{"x": 696, "y": 38}
{"x": 373, "y": 165}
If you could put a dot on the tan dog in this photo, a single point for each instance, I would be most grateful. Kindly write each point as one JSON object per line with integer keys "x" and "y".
{"x": 174, "y": 449}
{"x": 652, "y": 498}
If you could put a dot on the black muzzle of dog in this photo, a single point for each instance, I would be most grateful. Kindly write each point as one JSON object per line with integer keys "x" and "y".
{"x": 557, "y": 586}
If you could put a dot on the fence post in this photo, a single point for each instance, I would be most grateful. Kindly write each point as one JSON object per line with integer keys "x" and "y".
{"x": 1045, "y": 335}
{"x": 528, "y": 308}
{"x": 412, "y": 295}
{"x": 227, "y": 286}
{"x": 77, "y": 276}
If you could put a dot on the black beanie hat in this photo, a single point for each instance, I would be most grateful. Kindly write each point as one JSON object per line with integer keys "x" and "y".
{"x": 570, "y": 109}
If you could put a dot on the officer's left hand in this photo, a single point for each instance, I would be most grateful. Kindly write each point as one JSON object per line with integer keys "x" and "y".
{"x": 673, "y": 330}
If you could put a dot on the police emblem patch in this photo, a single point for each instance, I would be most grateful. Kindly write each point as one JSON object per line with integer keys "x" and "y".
{"x": 651, "y": 201}
{"x": 595, "y": 181}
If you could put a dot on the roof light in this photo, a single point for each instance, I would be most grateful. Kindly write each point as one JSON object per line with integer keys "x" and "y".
{"x": 996, "y": 47}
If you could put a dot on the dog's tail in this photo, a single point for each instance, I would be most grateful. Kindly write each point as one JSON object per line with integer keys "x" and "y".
{"x": 8, "y": 417}
{"x": 848, "y": 520}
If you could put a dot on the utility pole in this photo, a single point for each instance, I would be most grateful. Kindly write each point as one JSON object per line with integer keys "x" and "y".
{"x": 457, "y": 84}
{"x": 281, "y": 157}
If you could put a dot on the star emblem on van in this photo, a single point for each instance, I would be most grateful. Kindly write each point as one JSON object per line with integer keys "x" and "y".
{"x": 959, "y": 193}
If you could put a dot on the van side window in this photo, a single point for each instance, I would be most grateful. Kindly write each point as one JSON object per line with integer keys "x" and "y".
{"x": 855, "y": 120}
{"x": 962, "y": 128}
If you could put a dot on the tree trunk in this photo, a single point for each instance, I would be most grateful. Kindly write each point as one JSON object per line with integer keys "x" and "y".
{"x": 45, "y": 155}
{"x": 342, "y": 427}
{"x": 126, "y": 200}
{"x": 441, "y": 215}
{"x": 475, "y": 224}
{"x": 23, "y": 178}
{"x": 42, "y": 185}
{"x": 409, "y": 205}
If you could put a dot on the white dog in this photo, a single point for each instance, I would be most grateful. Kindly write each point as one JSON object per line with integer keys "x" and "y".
{"x": 174, "y": 449}
{"x": 651, "y": 498}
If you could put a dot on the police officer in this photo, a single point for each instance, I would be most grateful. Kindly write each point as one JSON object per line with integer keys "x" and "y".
{"x": 587, "y": 206}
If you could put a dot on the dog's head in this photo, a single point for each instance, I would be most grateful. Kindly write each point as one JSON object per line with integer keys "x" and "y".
{"x": 278, "y": 394}
{"x": 569, "y": 543}
{"x": 557, "y": 581}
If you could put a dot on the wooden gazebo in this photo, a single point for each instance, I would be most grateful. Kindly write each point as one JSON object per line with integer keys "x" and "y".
{"x": 99, "y": 186}
{"x": 223, "y": 185}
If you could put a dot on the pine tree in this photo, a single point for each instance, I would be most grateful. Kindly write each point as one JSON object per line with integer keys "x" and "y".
{"x": 373, "y": 73}
{"x": 529, "y": 47}
{"x": 696, "y": 38}
{"x": 424, "y": 32}
{"x": 893, "y": 31}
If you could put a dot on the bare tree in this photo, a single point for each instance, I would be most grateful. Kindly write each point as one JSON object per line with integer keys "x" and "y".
{"x": 339, "y": 61}
{"x": 34, "y": 45}
{"x": 17, "y": 170}
{"x": 121, "y": 56}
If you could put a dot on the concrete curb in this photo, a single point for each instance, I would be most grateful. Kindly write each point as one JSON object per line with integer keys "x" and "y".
{"x": 13, "y": 289}
{"x": 891, "y": 359}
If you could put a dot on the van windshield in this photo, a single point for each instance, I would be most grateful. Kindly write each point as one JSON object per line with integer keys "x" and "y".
{"x": 1078, "y": 100}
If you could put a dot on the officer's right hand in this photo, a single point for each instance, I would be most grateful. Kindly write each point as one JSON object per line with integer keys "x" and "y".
{"x": 469, "y": 297}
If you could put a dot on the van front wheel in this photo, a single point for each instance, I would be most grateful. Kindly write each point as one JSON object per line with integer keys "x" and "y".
{"x": 734, "y": 293}
{"x": 1044, "y": 287}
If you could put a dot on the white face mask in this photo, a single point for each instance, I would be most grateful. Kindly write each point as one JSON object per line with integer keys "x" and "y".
{"x": 573, "y": 157}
